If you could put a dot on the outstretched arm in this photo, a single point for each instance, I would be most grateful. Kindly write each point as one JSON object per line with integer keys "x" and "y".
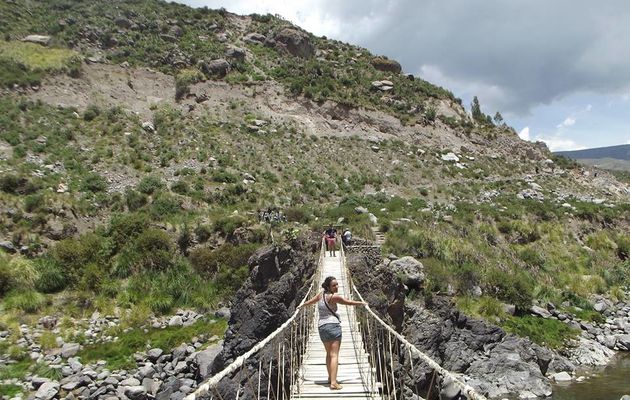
{"x": 346, "y": 302}
{"x": 313, "y": 300}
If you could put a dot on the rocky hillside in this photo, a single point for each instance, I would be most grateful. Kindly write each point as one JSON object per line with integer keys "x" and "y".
{"x": 148, "y": 149}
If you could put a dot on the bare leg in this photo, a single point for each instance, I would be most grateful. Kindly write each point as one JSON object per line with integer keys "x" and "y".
{"x": 328, "y": 346}
{"x": 334, "y": 363}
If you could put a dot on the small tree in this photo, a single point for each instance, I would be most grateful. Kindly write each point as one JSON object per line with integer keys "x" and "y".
{"x": 498, "y": 118}
{"x": 475, "y": 109}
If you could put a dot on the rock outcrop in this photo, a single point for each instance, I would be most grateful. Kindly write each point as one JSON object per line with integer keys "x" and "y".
{"x": 497, "y": 363}
{"x": 386, "y": 65}
{"x": 216, "y": 68}
{"x": 277, "y": 283}
{"x": 295, "y": 42}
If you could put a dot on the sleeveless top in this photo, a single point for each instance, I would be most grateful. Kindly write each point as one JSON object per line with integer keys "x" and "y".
{"x": 325, "y": 316}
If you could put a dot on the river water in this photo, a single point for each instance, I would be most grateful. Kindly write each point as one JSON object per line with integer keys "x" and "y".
{"x": 608, "y": 383}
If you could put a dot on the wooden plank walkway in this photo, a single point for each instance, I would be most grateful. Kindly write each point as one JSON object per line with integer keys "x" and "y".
{"x": 354, "y": 367}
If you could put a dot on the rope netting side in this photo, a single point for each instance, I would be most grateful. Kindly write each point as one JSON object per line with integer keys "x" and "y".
{"x": 397, "y": 365}
{"x": 270, "y": 368}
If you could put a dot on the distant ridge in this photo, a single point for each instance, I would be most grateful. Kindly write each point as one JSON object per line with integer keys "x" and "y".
{"x": 621, "y": 152}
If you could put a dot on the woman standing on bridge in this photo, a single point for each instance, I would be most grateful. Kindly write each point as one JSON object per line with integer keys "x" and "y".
{"x": 329, "y": 324}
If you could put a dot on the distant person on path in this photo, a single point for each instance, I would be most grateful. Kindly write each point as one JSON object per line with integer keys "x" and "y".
{"x": 346, "y": 237}
{"x": 330, "y": 236}
{"x": 329, "y": 324}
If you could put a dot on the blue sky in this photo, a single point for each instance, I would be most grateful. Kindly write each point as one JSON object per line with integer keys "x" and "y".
{"x": 557, "y": 71}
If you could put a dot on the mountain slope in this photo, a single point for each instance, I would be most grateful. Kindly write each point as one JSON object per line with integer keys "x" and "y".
{"x": 139, "y": 148}
{"x": 621, "y": 152}
{"x": 611, "y": 158}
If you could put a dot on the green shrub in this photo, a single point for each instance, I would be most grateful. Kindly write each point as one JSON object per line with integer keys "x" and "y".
{"x": 623, "y": 247}
{"x": 513, "y": 287}
{"x": 17, "y": 273}
{"x": 184, "y": 79}
{"x": 5, "y": 274}
{"x": 47, "y": 340}
{"x": 137, "y": 316}
{"x": 17, "y": 353}
{"x": 618, "y": 274}
{"x": 150, "y": 184}
{"x": 14, "y": 184}
{"x": 45, "y": 371}
{"x": 165, "y": 205}
{"x": 204, "y": 260}
{"x": 222, "y": 176}
{"x": 600, "y": 241}
{"x": 124, "y": 228}
{"x": 92, "y": 111}
{"x": 153, "y": 250}
{"x": 485, "y": 306}
{"x": 94, "y": 183}
{"x": 228, "y": 224}
{"x": 160, "y": 302}
{"x": 16, "y": 370}
{"x": 587, "y": 315}
{"x": 135, "y": 200}
{"x": 33, "y": 202}
{"x": 546, "y": 332}
{"x": 10, "y": 391}
{"x": 203, "y": 232}
{"x": 298, "y": 214}
{"x": 28, "y": 301}
{"x": 467, "y": 276}
{"x": 208, "y": 262}
{"x": 74, "y": 254}
{"x": 9, "y": 183}
{"x": 180, "y": 187}
{"x": 92, "y": 278}
{"x": 51, "y": 276}
{"x": 532, "y": 257}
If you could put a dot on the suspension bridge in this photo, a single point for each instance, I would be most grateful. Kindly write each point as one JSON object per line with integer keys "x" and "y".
{"x": 375, "y": 361}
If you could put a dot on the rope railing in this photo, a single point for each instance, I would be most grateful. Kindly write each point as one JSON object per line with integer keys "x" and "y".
{"x": 394, "y": 371}
{"x": 269, "y": 370}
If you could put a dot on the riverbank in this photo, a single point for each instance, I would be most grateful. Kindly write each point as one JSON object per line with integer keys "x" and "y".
{"x": 611, "y": 382}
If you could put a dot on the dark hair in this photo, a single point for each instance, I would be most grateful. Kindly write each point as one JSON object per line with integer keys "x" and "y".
{"x": 327, "y": 282}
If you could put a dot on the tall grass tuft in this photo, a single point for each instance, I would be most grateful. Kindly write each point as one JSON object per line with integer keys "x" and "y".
{"x": 28, "y": 301}
{"x": 51, "y": 276}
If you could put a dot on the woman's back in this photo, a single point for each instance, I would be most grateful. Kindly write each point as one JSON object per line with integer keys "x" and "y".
{"x": 326, "y": 316}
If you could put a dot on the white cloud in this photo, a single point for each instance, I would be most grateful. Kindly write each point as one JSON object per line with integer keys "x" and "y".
{"x": 524, "y": 133}
{"x": 569, "y": 121}
{"x": 588, "y": 108}
{"x": 557, "y": 143}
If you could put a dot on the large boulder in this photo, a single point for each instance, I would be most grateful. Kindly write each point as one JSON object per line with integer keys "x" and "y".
{"x": 386, "y": 65}
{"x": 410, "y": 270}
{"x": 204, "y": 360}
{"x": 623, "y": 341}
{"x": 295, "y": 42}
{"x": 123, "y": 22}
{"x": 47, "y": 390}
{"x": 216, "y": 68}
{"x": 7, "y": 246}
{"x": 70, "y": 349}
{"x": 235, "y": 53}
{"x": 255, "y": 38}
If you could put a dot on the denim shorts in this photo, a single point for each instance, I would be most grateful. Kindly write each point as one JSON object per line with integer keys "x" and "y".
{"x": 330, "y": 332}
